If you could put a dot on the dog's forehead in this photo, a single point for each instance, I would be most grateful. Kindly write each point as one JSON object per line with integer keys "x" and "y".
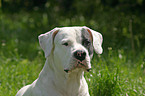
{"x": 74, "y": 33}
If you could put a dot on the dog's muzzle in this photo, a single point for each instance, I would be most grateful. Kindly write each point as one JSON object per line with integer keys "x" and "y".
{"x": 80, "y": 57}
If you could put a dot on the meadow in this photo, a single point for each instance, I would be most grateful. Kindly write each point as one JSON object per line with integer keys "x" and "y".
{"x": 119, "y": 71}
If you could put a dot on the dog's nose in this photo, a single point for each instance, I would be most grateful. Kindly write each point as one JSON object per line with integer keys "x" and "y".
{"x": 80, "y": 55}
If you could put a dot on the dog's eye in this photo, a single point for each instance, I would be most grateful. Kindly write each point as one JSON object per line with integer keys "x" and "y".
{"x": 86, "y": 43}
{"x": 66, "y": 44}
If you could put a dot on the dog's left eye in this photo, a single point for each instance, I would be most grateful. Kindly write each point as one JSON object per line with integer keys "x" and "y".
{"x": 86, "y": 43}
{"x": 66, "y": 44}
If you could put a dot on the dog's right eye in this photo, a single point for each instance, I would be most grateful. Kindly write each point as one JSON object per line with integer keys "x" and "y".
{"x": 66, "y": 44}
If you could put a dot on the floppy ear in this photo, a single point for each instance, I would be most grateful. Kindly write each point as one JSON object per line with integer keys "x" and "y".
{"x": 46, "y": 41}
{"x": 97, "y": 40}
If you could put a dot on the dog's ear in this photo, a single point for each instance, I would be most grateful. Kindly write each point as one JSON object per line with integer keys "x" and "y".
{"x": 46, "y": 41}
{"x": 97, "y": 40}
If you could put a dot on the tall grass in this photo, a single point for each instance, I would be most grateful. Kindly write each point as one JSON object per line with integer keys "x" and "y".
{"x": 114, "y": 75}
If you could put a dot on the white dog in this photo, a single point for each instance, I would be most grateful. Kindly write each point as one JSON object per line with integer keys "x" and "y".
{"x": 68, "y": 51}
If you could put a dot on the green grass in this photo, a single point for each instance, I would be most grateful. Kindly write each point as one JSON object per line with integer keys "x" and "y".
{"x": 16, "y": 72}
{"x": 115, "y": 75}
{"x": 111, "y": 75}
{"x": 117, "y": 72}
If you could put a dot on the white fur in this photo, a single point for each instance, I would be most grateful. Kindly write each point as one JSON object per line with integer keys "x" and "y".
{"x": 53, "y": 80}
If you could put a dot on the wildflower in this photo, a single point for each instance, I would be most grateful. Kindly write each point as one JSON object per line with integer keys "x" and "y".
{"x": 3, "y": 44}
{"x": 91, "y": 75}
{"x": 109, "y": 48}
{"x": 120, "y": 56}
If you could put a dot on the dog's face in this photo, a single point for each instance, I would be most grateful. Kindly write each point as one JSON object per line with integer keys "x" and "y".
{"x": 71, "y": 47}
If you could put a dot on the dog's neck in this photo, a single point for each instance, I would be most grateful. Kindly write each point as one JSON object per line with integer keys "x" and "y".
{"x": 65, "y": 83}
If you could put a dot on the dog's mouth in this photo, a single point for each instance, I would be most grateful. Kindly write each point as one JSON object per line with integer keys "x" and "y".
{"x": 67, "y": 71}
{"x": 79, "y": 65}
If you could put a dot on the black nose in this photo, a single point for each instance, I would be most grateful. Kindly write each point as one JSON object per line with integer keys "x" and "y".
{"x": 80, "y": 55}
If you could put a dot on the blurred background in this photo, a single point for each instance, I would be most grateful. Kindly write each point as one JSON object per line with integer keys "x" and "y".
{"x": 121, "y": 22}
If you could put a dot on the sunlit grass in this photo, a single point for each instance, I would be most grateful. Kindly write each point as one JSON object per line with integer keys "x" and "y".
{"x": 116, "y": 75}
{"x": 110, "y": 75}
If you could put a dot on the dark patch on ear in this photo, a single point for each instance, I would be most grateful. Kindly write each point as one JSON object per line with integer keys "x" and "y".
{"x": 54, "y": 34}
{"x": 90, "y": 34}
{"x": 87, "y": 41}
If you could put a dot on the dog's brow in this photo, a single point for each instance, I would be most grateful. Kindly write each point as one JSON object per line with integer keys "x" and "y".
{"x": 66, "y": 40}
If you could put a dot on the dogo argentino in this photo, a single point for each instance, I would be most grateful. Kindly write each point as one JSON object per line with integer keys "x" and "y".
{"x": 68, "y": 52}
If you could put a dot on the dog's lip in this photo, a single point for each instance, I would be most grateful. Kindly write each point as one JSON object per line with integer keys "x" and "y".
{"x": 88, "y": 70}
{"x": 67, "y": 71}
{"x": 79, "y": 64}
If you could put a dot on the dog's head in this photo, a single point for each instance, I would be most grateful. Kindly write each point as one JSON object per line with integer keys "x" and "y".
{"x": 71, "y": 47}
